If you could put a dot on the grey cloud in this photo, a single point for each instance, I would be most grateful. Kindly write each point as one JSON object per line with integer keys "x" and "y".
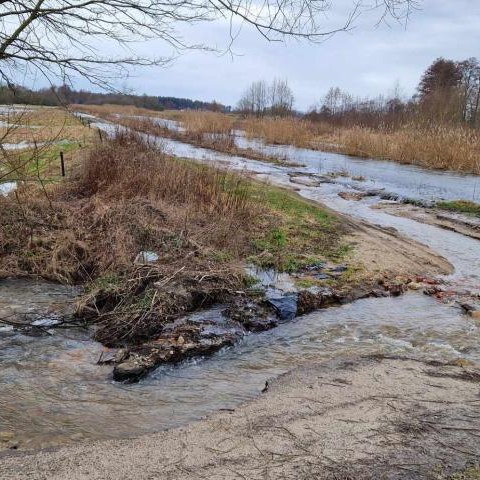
{"x": 366, "y": 61}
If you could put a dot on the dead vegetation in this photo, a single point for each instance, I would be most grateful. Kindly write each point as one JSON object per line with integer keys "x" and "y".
{"x": 427, "y": 145}
{"x": 212, "y": 130}
{"x": 125, "y": 198}
{"x": 30, "y": 124}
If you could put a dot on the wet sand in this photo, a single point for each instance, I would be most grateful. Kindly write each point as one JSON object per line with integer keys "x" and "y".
{"x": 367, "y": 417}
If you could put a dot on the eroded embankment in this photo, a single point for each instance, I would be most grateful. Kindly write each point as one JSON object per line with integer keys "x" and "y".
{"x": 136, "y": 227}
{"x": 362, "y": 418}
{"x": 154, "y": 238}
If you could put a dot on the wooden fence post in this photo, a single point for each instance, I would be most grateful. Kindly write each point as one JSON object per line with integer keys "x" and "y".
{"x": 62, "y": 164}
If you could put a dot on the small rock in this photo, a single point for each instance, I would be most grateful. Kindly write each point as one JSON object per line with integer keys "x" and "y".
{"x": 356, "y": 196}
{"x": 129, "y": 371}
{"x": 415, "y": 285}
{"x": 285, "y": 305}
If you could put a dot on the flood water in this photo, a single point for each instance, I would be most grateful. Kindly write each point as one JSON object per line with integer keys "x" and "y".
{"x": 52, "y": 392}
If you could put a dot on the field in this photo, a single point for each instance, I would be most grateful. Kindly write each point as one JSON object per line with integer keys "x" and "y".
{"x": 32, "y": 139}
{"x": 429, "y": 146}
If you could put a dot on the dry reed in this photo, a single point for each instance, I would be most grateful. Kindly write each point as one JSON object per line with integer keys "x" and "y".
{"x": 431, "y": 146}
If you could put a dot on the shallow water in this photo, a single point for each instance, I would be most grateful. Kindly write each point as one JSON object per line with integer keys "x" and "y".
{"x": 52, "y": 391}
{"x": 406, "y": 180}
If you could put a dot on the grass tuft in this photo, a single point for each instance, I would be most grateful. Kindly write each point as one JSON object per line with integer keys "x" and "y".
{"x": 461, "y": 206}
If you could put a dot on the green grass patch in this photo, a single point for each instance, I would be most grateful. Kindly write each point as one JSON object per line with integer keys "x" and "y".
{"x": 109, "y": 283}
{"x": 304, "y": 232}
{"x": 461, "y": 206}
{"x": 309, "y": 282}
{"x": 45, "y": 162}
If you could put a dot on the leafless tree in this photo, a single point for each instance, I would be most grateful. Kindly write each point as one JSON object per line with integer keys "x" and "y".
{"x": 470, "y": 91}
{"x": 281, "y": 98}
{"x": 59, "y": 38}
{"x": 255, "y": 99}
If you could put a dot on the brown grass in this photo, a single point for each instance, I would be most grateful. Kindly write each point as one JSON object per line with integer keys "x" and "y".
{"x": 207, "y": 122}
{"x": 107, "y": 108}
{"x": 45, "y": 124}
{"x": 125, "y": 197}
{"x": 203, "y": 129}
{"x": 437, "y": 147}
{"x": 286, "y": 131}
{"x": 117, "y": 205}
{"x": 128, "y": 168}
{"x": 430, "y": 146}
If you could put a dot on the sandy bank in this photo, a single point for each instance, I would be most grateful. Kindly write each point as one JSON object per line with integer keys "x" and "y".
{"x": 353, "y": 418}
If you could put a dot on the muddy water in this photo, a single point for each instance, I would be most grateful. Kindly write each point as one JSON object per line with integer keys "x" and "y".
{"x": 52, "y": 391}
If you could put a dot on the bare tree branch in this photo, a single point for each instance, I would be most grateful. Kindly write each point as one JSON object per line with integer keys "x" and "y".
{"x": 60, "y": 38}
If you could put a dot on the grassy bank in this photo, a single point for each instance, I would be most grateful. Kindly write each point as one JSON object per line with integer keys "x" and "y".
{"x": 211, "y": 130}
{"x": 202, "y": 223}
{"x": 429, "y": 146}
{"x": 433, "y": 146}
{"x": 460, "y": 206}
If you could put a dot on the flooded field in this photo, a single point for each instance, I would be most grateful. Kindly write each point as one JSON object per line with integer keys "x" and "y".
{"x": 53, "y": 391}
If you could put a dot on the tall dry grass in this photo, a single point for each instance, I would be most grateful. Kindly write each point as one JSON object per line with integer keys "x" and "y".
{"x": 203, "y": 135}
{"x": 207, "y": 122}
{"x": 212, "y": 128}
{"x": 126, "y": 197}
{"x": 286, "y": 131}
{"x": 436, "y": 147}
{"x": 127, "y": 167}
{"x": 431, "y": 146}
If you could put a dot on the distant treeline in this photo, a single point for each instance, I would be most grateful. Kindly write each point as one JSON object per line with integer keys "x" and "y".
{"x": 65, "y": 95}
{"x": 448, "y": 93}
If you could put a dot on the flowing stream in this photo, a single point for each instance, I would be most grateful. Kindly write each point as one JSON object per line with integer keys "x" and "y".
{"x": 52, "y": 391}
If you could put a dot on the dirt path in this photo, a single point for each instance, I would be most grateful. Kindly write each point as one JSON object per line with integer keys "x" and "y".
{"x": 351, "y": 418}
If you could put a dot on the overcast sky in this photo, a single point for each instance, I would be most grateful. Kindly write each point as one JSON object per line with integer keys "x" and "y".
{"x": 368, "y": 60}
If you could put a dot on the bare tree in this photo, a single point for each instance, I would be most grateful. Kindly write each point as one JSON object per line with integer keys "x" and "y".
{"x": 255, "y": 99}
{"x": 470, "y": 91}
{"x": 281, "y": 98}
{"x": 61, "y": 37}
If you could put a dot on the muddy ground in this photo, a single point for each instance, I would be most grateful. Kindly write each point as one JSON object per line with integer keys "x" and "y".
{"x": 354, "y": 418}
